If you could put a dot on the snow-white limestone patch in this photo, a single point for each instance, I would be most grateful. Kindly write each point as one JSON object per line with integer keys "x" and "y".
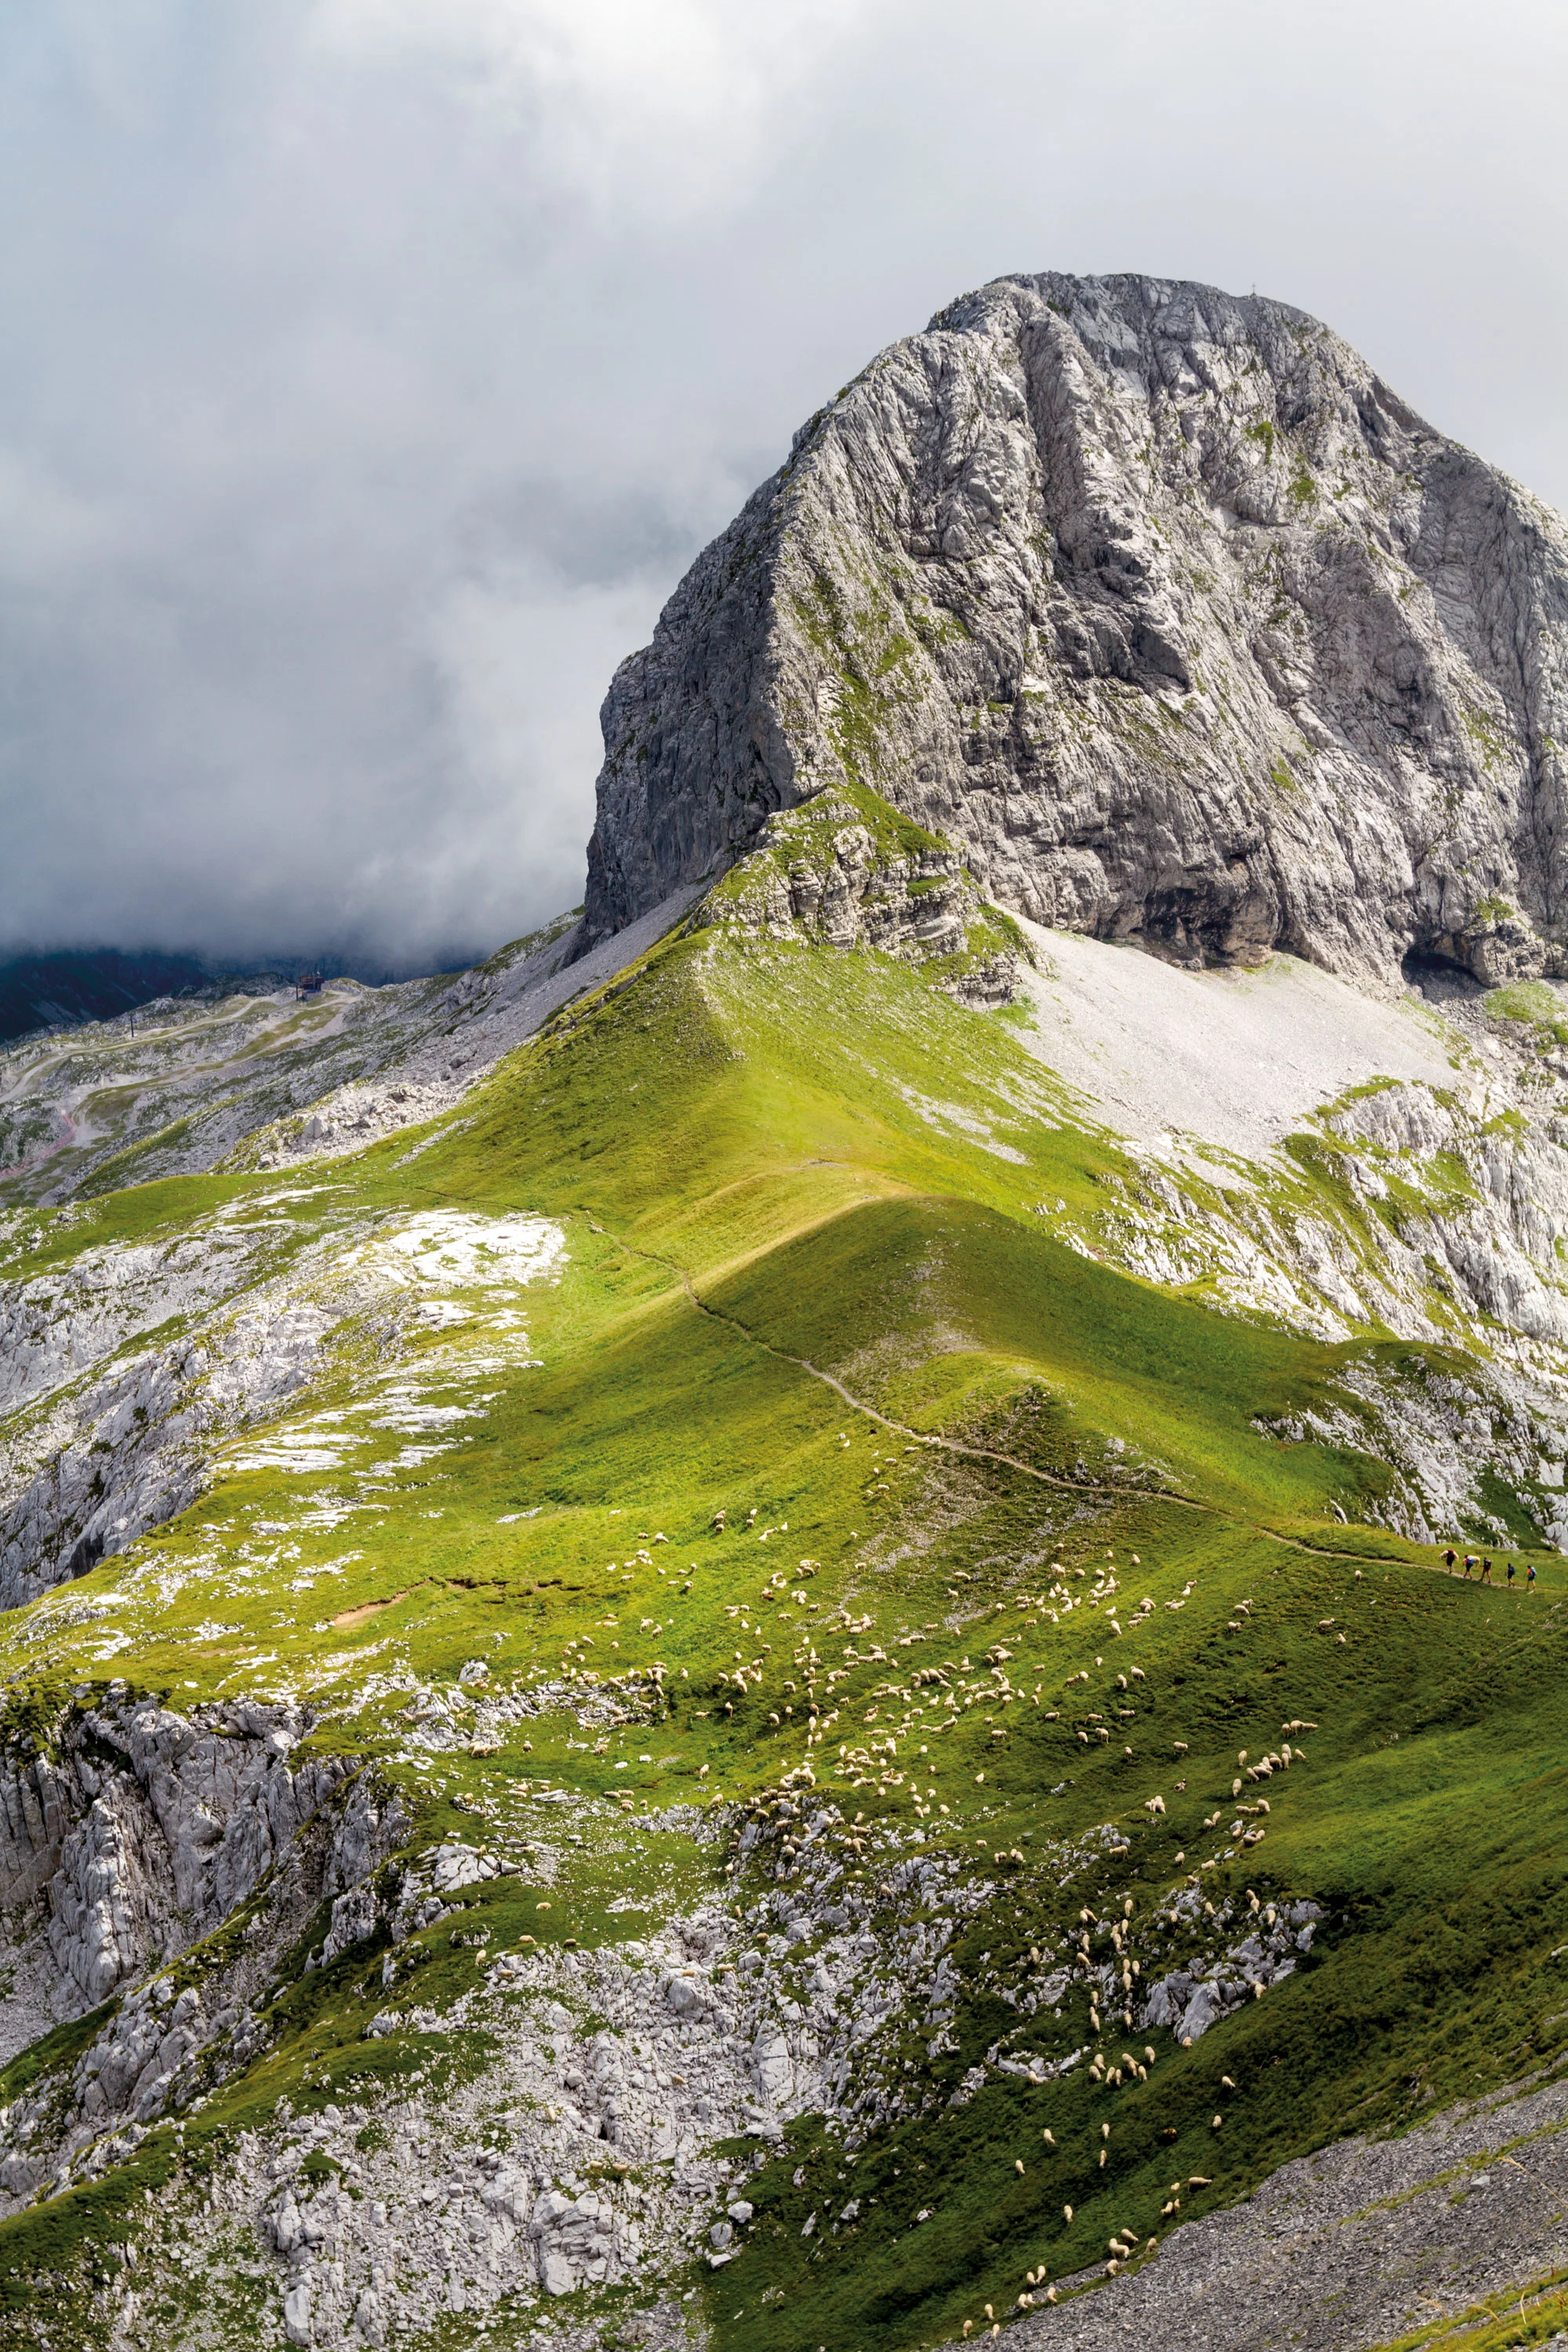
{"x": 452, "y": 1247}
{"x": 1237, "y": 1059}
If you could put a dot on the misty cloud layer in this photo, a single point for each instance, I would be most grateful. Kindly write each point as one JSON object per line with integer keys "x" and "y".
{"x": 374, "y": 367}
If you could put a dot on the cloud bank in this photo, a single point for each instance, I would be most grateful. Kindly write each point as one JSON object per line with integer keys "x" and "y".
{"x": 374, "y": 367}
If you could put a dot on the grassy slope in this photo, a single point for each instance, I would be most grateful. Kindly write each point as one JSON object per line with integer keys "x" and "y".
{"x": 786, "y": 1153}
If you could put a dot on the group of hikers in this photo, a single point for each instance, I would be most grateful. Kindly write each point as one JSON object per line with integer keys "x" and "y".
{"x": 1451, "y": 1558}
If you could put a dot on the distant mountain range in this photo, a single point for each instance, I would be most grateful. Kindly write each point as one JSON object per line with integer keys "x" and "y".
{"x": 50, "y": 991}
{"x": 75, "y": 984}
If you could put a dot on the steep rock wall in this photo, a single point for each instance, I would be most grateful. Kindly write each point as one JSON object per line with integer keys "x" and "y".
{"x": 1162, "y": 607}
{"x": 146, "y": 1829}
{"x": 132, "y": 1834}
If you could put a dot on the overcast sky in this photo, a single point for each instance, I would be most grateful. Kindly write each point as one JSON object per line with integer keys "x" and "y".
{"x": 372, "y": 368}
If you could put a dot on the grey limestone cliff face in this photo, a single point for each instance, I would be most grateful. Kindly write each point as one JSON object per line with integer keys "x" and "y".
{"x": 1159, "y": 604}
{"x": 149, "y": 1829}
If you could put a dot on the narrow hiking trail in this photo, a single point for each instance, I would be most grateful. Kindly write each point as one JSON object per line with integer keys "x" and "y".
{"x": 958, "y": 1445}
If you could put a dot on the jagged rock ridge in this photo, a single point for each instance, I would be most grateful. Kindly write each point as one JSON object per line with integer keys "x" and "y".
{"x": 1162, "y": 607}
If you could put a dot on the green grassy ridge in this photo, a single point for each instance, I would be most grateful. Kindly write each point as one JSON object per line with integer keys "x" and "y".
{"x": 647, "y": 1416}
{"x": 728, "y": 1076}
{"x": 1164, "y": 1375}
{"x": 801, "y": 1075}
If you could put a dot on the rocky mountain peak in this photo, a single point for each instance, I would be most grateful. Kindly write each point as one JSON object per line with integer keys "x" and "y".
{"x": 1161, "y": 606}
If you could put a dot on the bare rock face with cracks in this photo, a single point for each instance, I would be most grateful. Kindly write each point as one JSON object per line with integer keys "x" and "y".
{"x": 1161, "y": 604}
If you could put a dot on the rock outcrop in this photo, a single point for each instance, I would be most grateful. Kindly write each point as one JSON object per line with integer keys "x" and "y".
{"x": 846, "y": 873}
{"x": 1159, "y": 604}
{"x": 150, "y": 1828}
